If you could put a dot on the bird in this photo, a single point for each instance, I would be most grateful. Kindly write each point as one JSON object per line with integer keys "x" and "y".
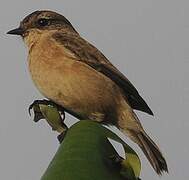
{"x": 71, "y": 72}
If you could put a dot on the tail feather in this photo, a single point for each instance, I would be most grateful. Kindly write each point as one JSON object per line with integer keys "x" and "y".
{"x": 152, "y": 152}
{"x": 130, "y": 125}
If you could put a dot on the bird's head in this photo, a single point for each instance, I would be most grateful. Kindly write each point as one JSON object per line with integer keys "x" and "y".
{"x": 42, "y": 21}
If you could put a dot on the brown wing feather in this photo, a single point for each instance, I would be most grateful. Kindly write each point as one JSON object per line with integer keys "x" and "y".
{"x": 90, "y": 55}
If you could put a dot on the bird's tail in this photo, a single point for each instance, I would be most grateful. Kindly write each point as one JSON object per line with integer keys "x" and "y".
{"x": 132, "y": 128}
{"x": 151, "y": 151}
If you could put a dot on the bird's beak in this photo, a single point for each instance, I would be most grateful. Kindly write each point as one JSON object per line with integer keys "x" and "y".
{"x": 17, "y": 31}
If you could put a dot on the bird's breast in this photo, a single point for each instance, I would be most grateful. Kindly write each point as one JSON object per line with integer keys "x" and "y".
{"x": 49, "y": 65}
{"x": 69, "y": 82}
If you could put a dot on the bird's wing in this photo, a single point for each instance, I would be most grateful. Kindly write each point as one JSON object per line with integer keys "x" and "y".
{"x": 90, "y": 55}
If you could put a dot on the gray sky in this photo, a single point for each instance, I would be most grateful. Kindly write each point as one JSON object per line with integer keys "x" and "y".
{"x": 147, "y": 40}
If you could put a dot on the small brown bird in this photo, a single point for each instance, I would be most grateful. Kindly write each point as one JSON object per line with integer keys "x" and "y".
{"x": 71, "y": 72}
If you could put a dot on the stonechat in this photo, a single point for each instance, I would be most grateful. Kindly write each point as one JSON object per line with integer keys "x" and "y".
{"x": 74, "y": 74}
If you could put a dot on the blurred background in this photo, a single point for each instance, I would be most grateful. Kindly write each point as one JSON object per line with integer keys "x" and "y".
{"x": 147, "y": 40}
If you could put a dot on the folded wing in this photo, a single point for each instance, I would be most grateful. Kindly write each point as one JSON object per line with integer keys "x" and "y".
{"x": 90, "y": 55}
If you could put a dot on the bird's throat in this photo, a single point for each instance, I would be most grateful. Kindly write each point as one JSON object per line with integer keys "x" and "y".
{"x": 32, "y": 38}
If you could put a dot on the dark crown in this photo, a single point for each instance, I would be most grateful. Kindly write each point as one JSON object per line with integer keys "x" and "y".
{"x": 45, "y": 20}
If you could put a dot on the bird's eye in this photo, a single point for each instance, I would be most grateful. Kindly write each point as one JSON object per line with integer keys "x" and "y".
{"x": 43, "y": 22}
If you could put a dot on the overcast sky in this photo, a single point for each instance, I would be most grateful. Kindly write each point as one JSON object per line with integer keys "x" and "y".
{"x": 147, "y": 40}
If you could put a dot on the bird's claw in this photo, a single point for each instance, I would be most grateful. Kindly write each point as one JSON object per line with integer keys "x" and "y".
{"x": 48, "y": 103}
{"x": 37, "y": 111}
{"x": 39, "y": 114}
{"x": 37, "y": 103}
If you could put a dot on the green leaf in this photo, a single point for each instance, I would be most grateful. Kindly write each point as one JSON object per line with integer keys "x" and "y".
{"x": 86, "y": 154}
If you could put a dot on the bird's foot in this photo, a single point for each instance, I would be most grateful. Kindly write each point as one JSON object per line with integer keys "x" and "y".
{"x": 39, "y": 102}
{"x": 36, "y": 103}
{"x": 37, "y": 112}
